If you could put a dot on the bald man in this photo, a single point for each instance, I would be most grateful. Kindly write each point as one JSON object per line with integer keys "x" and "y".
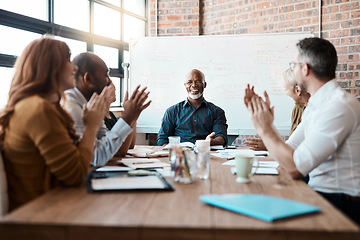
{"x": 194, "y": 118}
{"x": 91, "y": 77}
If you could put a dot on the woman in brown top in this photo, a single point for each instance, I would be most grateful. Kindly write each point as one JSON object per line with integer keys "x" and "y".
{"x": 37, "y": 138}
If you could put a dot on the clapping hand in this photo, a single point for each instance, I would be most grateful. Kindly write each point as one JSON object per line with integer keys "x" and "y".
{"x": 262, "y": 114}
{"x": 134, "y": 105}
{"x": 255, "y": 144}
{"x": 110, "y": 97}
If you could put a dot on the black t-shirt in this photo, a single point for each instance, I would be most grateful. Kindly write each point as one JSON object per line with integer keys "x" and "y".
{"x": 110, "y": 122}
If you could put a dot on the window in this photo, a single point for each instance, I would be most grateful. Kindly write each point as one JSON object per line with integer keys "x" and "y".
{"x": 104, "y": 27}
{"x": 135, "y": 6}
{"x": 109, "y": 55}
{"x": 13, "y": 41}
{"x": 72, "y": 13}
{"x": 133, "y": 28}
{"x": 114, "y": 2}
{"x": 76, "y": 47}
{"x": 126, "y": 57}
{"x": 6, "y": 77}
{"x": 117, "y": 82}
{"x": 34, "y": 8}
{"x": 107, "y": 22}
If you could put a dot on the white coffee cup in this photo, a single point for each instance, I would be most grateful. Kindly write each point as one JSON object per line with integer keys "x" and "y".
{"x": 244, "y": 166}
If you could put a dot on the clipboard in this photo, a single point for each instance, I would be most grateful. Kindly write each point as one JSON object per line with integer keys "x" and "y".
{"x": 133, "y": 180}
{"x": 266, "y": 208}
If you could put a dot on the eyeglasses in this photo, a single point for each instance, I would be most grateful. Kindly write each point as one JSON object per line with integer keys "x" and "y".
{"x": 292, "y": 65}
{"x": 197, "y": 82}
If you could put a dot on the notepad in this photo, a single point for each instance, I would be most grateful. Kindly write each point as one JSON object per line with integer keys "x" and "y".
{"x": 127, "y": 181}
{"x": 265, "y": 171}
{"x": 216, "y": 147}
{"x": 149, "y": 154}
{"x": 114, "y": 183}
{"x": 113, "y": 168}
{"x": 140, "y": 163}
{"x": 265, "y": 164}
{"x": 263, "y": 207}
{"x": 231, "y": 153}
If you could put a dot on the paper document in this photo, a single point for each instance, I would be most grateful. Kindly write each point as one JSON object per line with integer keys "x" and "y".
{"x": 138, "y": 163}
{"x": 216, "y": 147}
{"x": 265, "y": 171}
{"x": 125, "y": 182}
{"x": 268, "y": 164}
{"x": 113, "y": 168}
{"x": 265, "y": 164}
{"x": 150, "y": 154}
{"x": 231, "y": 153}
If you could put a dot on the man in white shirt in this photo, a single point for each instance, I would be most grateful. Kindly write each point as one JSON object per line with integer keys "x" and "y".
{"x": 91, "y": 77}
{"x": 326, "y": 144}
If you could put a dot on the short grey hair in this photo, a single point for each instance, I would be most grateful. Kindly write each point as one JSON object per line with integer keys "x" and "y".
{"x": 320, "y": 55}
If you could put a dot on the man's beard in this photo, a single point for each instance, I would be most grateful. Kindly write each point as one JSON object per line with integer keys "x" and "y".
{"x": 195, "y": 96}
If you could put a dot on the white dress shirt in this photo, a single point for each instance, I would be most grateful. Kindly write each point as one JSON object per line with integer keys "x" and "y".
{"x": 108, "y": 142}
{"x": 327, "y": 141}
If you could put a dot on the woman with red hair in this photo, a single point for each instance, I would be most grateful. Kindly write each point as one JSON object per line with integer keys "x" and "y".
{"x": 37, "y": 138}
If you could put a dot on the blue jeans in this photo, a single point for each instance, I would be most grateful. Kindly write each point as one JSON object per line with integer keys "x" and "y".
{"x": 350, "y": 206}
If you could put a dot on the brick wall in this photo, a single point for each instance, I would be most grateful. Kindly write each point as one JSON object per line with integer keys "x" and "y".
{"x": 238, "y": 17}
{"x": 340, "y": 24}
{"x": 175, "y": 18}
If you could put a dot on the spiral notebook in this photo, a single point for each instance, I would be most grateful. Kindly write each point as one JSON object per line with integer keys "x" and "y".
{"x": 263, "y": 207}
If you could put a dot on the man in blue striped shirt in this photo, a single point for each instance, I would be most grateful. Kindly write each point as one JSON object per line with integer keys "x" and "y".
{"x": 194, "y": 118}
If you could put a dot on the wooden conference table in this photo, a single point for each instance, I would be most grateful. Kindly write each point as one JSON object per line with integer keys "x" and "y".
{"x": 73, "y": 213}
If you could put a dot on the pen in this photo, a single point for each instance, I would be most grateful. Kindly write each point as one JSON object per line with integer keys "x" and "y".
{"x": 142, "y": 162}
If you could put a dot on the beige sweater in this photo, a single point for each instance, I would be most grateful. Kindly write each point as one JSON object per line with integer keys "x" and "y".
{"x": 296, "y": 116}
{"x": 39, "y": 153}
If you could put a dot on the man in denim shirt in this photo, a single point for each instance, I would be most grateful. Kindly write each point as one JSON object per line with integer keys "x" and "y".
{"x": 194, "y": 118}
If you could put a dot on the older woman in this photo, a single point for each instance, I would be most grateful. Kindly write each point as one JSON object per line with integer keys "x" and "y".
{"x": 300, "y": 98}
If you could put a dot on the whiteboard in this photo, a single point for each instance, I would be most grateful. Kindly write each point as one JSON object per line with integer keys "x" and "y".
{"x": 229, "y": 63}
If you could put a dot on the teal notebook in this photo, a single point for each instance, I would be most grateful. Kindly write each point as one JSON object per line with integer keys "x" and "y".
{"x": 259, "y": 206}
